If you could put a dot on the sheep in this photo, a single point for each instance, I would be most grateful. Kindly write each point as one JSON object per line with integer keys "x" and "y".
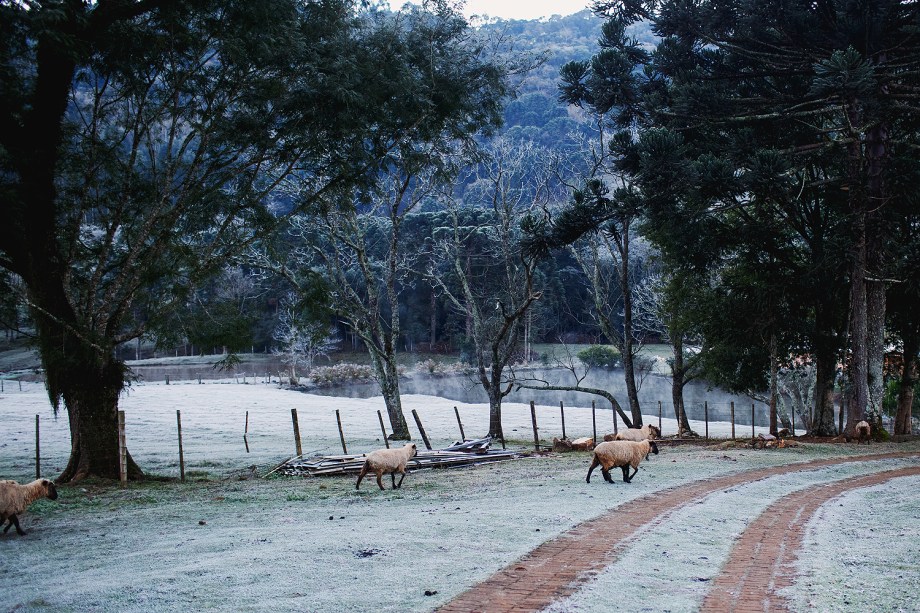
{"x": 16, "y": 498}
{"x": 620, "y": 453}
{"x": 646, "y": 432}
{"x": 388, "y": 461}
{"x": 862, "y": 430}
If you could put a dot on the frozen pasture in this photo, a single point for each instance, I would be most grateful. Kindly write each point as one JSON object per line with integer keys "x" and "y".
{"x": 225, "y": 541}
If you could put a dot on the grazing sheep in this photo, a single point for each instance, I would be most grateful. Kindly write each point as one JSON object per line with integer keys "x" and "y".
{"x": 16, "y": 498}
{"x": 388, "y": 461}
{"x": 863, "y": 430}
{"x": 620, "y": 453}
{"x": 647, "y": 432}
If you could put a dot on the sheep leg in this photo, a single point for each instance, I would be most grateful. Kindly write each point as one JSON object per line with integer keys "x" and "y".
{"x": 606, "y": 474}
{"x": 361, "y": 475}
{"x": 14, "y": 521}
{"x": 594, "y": 464}
{"x": 380, "y": 479}
{"x": 626, "y": 470}
{"x": 393, "y": 479}
{"x": 398, "y": 485}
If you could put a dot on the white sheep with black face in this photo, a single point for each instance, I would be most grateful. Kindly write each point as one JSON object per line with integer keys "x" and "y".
{"x": 624, "y": 454}
{"x": 388, "y": 461}
{"x": 16, "y": 498}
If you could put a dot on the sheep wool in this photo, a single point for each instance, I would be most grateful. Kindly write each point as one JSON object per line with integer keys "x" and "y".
{"x": 16, "y": 498}
{"x": 388, "y": 461}
{"x": 620, "y": 453}
{"x": 863, "y": 431}
{"x": 647, "y": 432}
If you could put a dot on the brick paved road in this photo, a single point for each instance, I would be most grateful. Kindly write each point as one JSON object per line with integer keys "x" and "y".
{"x": 557, "y": 568}
{"x": 762, "y": 562}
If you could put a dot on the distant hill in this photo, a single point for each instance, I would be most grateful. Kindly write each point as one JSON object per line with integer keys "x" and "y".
{"x": 536, "y": 113}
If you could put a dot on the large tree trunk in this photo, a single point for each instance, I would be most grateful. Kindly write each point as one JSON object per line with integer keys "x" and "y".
{"x": 632, "y": 392}
{"x": 89, "y": 379}
{"x": 876, "y": 237}
{"x": 858, "y": 403}
{"x": 825, "y": 348}
{"x": 92, "y": 409}
{"x": 678, "y": 381}
{"x": 902, "y": 422}
{"x": 388, "y": 379}
{"x": 492, "y": 382}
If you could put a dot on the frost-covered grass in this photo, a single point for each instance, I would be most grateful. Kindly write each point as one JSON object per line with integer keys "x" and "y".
{"x": 218, "y": 542}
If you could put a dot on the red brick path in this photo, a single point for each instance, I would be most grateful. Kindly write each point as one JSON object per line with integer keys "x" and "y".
{"x": 557, "y": 568}
{"x": 762, "y": 562}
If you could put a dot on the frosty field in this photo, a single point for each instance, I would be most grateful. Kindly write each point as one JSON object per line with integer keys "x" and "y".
{"x": 224, "y": 541}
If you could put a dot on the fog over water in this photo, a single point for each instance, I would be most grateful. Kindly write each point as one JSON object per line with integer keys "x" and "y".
{"x": 655, "y": 388}
{"x": 461, "y": 388}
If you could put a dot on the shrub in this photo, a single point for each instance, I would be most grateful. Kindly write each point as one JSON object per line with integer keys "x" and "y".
{"x": 600, "y": 356}
{"x": 341, "y": 374}
{"x": 437, "y": 368}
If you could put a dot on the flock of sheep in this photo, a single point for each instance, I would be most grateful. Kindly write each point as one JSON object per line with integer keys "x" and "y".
{"x": 627, "y": 449}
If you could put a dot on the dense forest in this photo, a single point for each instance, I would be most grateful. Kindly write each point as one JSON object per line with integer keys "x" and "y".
{"x": 733, "y": 179}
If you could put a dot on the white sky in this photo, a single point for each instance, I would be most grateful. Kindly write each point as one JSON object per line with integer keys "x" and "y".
{"x": 519, "y": 9}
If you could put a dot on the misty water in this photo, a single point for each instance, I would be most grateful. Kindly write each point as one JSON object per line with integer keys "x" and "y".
{"x": 699, "y": 397}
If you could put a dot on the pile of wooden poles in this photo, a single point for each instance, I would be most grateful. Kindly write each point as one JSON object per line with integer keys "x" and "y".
{"x": 351, "y": 464}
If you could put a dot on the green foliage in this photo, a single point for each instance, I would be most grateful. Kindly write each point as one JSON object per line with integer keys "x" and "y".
{"x": 600, "y": 356}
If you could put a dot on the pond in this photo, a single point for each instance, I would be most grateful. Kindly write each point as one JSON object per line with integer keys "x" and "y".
{"x": 699, "y": 397}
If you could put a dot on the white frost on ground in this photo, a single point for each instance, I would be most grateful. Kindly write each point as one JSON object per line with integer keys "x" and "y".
{"x": 214, "y": 419}
{"x": 875, "y": 536}
{"x": 269, "y": 544}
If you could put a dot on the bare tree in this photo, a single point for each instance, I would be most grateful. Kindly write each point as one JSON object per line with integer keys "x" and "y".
{"x": 480, "y": 268}
{"x": 301, "y": 342}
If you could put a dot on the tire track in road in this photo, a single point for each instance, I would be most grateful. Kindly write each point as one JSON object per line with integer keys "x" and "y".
{"x": 762, "y": 562}
{"x": 557, "y": 568}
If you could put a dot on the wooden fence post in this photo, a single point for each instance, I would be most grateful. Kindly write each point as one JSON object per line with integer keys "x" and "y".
{"x": 792, "y": 413}
{"x": 533, "y": 419}
{"x": 296, "y": 422}
{"x": 706, "y": 416}
{"x": 460, "y": 423}
{"x": 181, "y": 455}
{"x": 38, "y": 455}
{"x": 562, "y": 413}
{"x": 752, "y": 421}
{"x": 614, "y": 410}
{"x": 659, "y": 416}
{"x": 246, "y": 433}
{"x": 418, "y": 422}
{"x": 122, "y": 450}
{"x": 733, "y": 420}
{"x": 594, "y": 421}
{"x": 383, "y": 429}
{"x": 338, "y": 418}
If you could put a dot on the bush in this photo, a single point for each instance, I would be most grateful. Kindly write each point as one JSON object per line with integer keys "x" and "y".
{"x": 341, "y": 374}
{"x": 600, "y": 356}
{"x": 436, "y": 368}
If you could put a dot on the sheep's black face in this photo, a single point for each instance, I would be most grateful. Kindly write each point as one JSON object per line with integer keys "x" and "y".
{"x": 654, "y": 447}
{"x": 414, "y": 449}
{"x": 52, "y": 491}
